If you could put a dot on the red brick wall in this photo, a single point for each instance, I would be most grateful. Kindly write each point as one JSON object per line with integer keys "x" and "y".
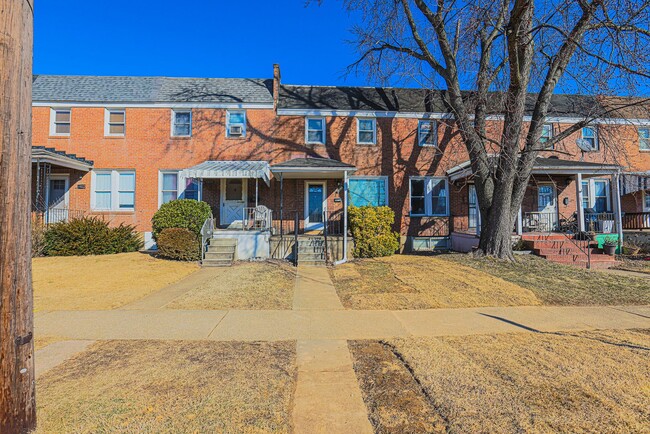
{"x": 147, "y": 148}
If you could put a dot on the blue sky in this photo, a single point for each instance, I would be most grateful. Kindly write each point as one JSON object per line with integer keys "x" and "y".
{"x": 193, "y": 38}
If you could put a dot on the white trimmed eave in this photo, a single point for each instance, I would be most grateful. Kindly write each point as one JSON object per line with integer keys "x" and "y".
{"x": 170, "y": 105}
{"x": 202, "y": 172}
{"x": 589, "y": 171}
{"x": 61, "y": 161}
{"x": 313, "y": 173}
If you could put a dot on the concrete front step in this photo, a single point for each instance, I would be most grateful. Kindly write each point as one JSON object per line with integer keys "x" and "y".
{"x": 222, "y": 242}
{"x": 222, "y": 249}
{"x": 220, "y": 255}
{"x": 216, "y": 263}
{"x": 309, "y": 249}
{"x": 312, "y": 263}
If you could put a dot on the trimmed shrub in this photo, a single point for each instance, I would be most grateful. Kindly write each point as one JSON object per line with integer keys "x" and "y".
{"x": 181, "y": 213}
{"x": 179, "y": 244}
{"x": 372, "y": 231}
{"x": 90, "y": 236}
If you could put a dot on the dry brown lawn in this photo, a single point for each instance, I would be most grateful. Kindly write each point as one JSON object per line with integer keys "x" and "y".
{"x": 101, "y": 282}
{"x": 557, "y": 284}
{"x": 422, "y": 282}
{"x": 245, "y": 285}
{"x": 640, "y": 265}
{"x": 565, "y": 382}
{"x": 170, "y": 387}
{"x": 43, "y": 341}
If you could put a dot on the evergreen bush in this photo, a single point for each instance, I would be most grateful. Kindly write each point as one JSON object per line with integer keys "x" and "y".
{"x": 179, "y": 244}
{"x": 181, "y": 213}
{"x": 372, "y": 230}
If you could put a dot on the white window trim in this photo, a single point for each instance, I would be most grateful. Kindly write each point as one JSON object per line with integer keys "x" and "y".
{"x": 374, "y": 178}
{"x": 107, "y": 115}
{"x": 53, "y": 121}
{"x": 115, "y": 189}
{"x": 173, "y": 122}
{"x": 642, "y": 139}
{"x": 374, "y": 130}
{"x": 181, "y": 184}
{"x": 596, "y": 146}
{"x": 645, "y": 197}
{"x": 228, "y": 123}
{"x": 427, "y": 196}
{"x": 591, "y": 193}
{"x": 435, "y": 134}
{"x": 323, "y": 129}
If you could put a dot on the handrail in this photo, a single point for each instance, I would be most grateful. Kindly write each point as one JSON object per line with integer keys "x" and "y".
{"x": 325, "y": 223}
{"x": 295, "y": 239}
{"x": 207, "y": 230}
{"x": 257, "y": 218}
{"x": 571, "y": 227}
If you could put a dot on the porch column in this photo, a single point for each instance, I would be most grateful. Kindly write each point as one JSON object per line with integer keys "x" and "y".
{"x": 256, "y": 190}
{"x": 345, "y": 218}
{"x": 580, "y": 212}
{"x": 520, "y": 222}
{"x": 281, "y": 204}
{"x": 617, "y": 208}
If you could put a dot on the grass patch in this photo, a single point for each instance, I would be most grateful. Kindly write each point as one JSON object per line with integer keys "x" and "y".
{"x": 163, "y": 386}
{"x": 527, "y": 382}
{"x": 557, "y": 284}
{"x": 245, "y": 285}
{"x": 43, "y": 341}
{"x": 422, "y": 282}
{"x": 101, "y": 282}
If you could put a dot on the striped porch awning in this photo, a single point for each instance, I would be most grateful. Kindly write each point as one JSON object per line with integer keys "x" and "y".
{"x": 230, "y": 169}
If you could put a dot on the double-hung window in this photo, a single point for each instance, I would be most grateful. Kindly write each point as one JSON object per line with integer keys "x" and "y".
{"x": 596, "y": 195}
{"x": 429, "y": 196}
{"x": 366, "y": 131}
{"x": 115, "y": 122}
{"x": 590, "y": 136}
{"x": 60, "y": 122}
{"x": 181, "y": 123}
{"x": 235, "y": 123}
{"x": 315, "y": 130}
{"x": 547, "y": 135}
{"x": 113, "y": 190}
{"x": 644, "y": 139}
{"x": 427, "y": 133}
{"x": 368, "y": 191}
{"x": 473, "y": 206}
{"x": 173, "y": 186}
{"x": 646, "y": 201}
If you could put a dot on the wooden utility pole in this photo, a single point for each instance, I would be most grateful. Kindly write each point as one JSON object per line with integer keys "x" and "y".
{"x": 17, "y": 399}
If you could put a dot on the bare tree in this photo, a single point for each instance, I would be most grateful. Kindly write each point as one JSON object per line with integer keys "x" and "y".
{"x": 508, "y": 57}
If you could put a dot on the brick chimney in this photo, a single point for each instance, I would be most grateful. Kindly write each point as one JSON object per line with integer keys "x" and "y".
{"x": 276, "y": 86}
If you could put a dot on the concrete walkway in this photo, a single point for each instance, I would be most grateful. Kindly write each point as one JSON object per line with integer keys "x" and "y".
{"x": 314, "y": 290}
{"x": 314, "y": 324}
{"x": 56, "y": 353}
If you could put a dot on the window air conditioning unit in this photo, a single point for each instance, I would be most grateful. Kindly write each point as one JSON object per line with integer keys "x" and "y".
{"x": 235, "y": 130}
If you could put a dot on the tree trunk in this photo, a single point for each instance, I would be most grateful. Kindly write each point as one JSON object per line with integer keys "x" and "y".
{"x": 17, "y": 401}
{"x": 497, "y": 226}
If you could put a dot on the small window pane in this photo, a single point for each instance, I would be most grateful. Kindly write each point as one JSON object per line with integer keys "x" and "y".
{"x": 366, "y": 124}
{"x": 234, "y": 189}
{"x": 116, "y": 129}
{"x": 366, "y": 137}
{"x": 237, "y": 118}
{"x": 127, "y": 181}
{"x": 103, "y": 181}
{"x": 168, "y": 196}
{"x": 116, "y": 117}
{"x": 127, "y": 200}
{"x": 417, "y": 187}
{"x": 103, "y": 200}
{"x": 62, "y": 128}
{"x": 600, "y": 188}
{"x": 644, "y": 139}
{"x": 62, "y": 116}
{"x": 181, "y": 130}
{"x": 182, "y": 117}
{"x": 417, "y": 205}
{"x": 315, "y": 124}
{"x": 315, "y": 136}
{"x": 170, "y": 181}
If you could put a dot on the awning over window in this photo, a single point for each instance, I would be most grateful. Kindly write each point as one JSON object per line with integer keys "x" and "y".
{"x": 230, "y": 169}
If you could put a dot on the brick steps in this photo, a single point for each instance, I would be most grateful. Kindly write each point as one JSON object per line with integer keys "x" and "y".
{"x": 559, "y": 249}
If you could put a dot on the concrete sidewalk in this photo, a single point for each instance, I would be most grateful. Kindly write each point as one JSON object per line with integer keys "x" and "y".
{"x": 253, "y": 325}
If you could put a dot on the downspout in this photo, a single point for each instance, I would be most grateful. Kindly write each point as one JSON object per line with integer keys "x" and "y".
{"x": 619, "y": 216}
{"x": 345, "y": 219}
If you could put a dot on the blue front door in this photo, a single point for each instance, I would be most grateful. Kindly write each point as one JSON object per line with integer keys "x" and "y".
{"x": 315, "y": 198}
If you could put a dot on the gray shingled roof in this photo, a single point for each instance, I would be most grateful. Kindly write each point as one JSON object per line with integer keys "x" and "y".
{"x": 65, "y": 88}
{"x": 40, "y": 151}
{"x": 433, "y": 101}
{"x": 316, "y": 163}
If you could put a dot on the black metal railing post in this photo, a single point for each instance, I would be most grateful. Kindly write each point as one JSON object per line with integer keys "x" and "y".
{"x": 295, "y": 238}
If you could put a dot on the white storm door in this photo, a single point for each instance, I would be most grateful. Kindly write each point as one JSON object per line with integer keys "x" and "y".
{"x": 58, "y": 198}
{"x": 234, "y": 196}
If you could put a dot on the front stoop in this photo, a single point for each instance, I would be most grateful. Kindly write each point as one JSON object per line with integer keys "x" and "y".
{"x": 221, "y": 252}
{"x": 311, "y": 251}
{"x": 557, "y": 248}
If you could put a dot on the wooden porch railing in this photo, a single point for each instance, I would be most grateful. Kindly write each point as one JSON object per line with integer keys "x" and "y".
{"x": 636, "y": 220}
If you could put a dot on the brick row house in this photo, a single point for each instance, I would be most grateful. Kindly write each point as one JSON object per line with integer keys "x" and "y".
{"x": 275, "y": 160}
